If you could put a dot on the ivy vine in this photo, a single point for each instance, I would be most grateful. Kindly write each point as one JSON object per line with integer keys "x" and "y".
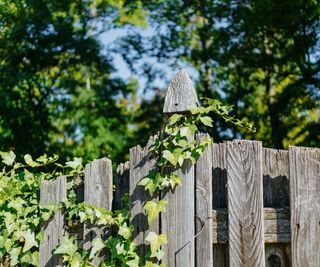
{"x": 21, "y": 214}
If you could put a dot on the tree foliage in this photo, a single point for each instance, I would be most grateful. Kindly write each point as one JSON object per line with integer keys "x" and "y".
{"x": 57, "y": 93}
{"x": 261, "y": 56}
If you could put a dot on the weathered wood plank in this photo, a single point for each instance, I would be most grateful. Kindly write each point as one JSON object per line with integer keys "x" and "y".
{"x": 245, "y": 203}
{"x": 141, "y": 162}
{"x": 98, "y": 192}
{"x": 276, "y": 225}
{"x": 278, "y": 255}
{"x": 178, "y": 221}
{"x": 305, "y": 205}
{"x": 181, "y": 94}
{"x": 203, "y": 209}
{"x": 275, "y": 178}
{"x": 219, "y": 197}
{"x": 52, "y": 192}
{"x": 121, "y": 183}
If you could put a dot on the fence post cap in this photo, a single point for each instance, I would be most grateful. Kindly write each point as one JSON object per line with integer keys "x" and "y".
{"x": 181, "y": 94}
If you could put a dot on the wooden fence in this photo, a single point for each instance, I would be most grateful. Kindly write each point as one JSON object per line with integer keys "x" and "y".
{"x": 240, "y": 205}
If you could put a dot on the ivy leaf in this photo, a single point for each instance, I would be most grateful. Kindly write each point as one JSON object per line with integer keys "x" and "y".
{"x": 29, "y": 241}
{"x": 206, "y": 120}
{"x": 169, "y": 157}
{"x": 28, "y": 159}
{"x": 14, "y": 254}
{"x": 124, "y": 231}
{"x": 17, "y": 204}
{"x": 154, "y": 208}
{"x": 8, "y": 157}
{"x": 120, "y": 249}
{"x": 174, "y": 118}
{"x": 97, "y": 246}
{"x": 30, "y": 258}
{"x": 75, "y": 164}
{"x": 76, "y": 261}
{"x": 134, "y": 262}
{"x": 67, "y": 246}
{"x": 188, "y": 131}
{"x": 156, "y": 241}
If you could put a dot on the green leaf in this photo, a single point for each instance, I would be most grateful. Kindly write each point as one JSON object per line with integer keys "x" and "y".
{"x": 156, "y": 241}
{"x": 97, "y": 246}
{"x": 188, "y": 131}
{"x": 8, "y": 157}
{"x": 174, "y": 118}
{"x": 29, "y": 241}
{"x": 14, "y": 254}
{"x": 206, "y": 120}
{"x": 144, "y": 181}
{"x": 67, "y": 246}
{"x": 169, "y": 157}
{"x": 75, "y": 164}
{"x": 120, "y": 249}
{"x": 28, "y": 159}
{"x": 154, "y": 208}
{"x": 124, "y": 231}
{"x": 30, "y": 258}
{"x": 134, "y": 262}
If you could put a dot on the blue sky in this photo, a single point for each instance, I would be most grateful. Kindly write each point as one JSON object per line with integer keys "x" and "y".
{"x": 110, "y": 37}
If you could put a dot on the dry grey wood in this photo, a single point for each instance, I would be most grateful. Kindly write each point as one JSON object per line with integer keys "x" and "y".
{"x": 181, "y": 94}
{"x": 52, "y": 192}
{"x": 98, "y": 192}
{"x": 278, "y": 255}
{"x": 203, "y": 209}
{"x": 141, "y": 162}
{"x": 245, "y": 203}
{"x": 276, "y": 225}
{"x": 121, "y": 183}
{"x": 275, "y": 178}
{"x": 305, "y": 205}
{"x": 219, "y": 197}
{"x": 178, "y": 221}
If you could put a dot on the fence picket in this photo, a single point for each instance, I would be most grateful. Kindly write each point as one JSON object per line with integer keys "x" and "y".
{"x": 178, "y": 221}
{"x": 141, "y": 162}
{"x": 245, "y": 204}
{"x": 219, "y": 200}
{"x": 305, "y": 205}
{"x": 203, "y": 209}
{"x": 98, "y": 192}
{"x": 52, "y": 192}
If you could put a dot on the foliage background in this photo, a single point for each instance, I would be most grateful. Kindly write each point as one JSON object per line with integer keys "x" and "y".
{"x": 59, "y": 92}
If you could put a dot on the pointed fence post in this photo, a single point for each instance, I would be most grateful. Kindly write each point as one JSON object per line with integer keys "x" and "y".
{"x": 178, "y": 221}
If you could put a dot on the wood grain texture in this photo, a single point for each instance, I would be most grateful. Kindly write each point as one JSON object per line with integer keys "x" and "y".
{"x": 178, "y": 221}
{"x": 203, "y": 208}
{"x": 278, "y": 255}
{"x": 245, "y": 203}
{"x": 181, "y": 94}
{"x": 121, "y": 183}
{"x": 52, "y": 192}
{"x": 141, "y": 162}
{"x": 98, "y": 192}
{"x": 305, "y": 205}
{"x": 275, "y": 178}
{"x": 276, "y": 226}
